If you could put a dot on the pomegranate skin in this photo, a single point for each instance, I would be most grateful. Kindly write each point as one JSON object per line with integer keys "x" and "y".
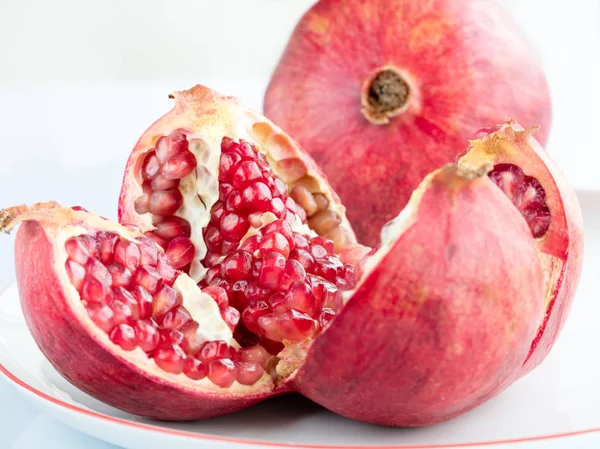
{"x": 85, "y": 361}
{"x": 465, "y": 65}
{"x": 440, "y": 332}
{"x": 561, "y": 248}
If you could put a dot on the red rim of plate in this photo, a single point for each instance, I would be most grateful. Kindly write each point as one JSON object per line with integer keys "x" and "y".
{"x": 214, "y": 438}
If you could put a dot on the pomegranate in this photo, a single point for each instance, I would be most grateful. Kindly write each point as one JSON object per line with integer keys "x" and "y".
{"x": 382, "y": 92}
{"x": 237, "y": 277}
{"x": 537, "y": 187}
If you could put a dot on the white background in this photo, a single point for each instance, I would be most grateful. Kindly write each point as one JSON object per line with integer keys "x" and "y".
{"x": 80, "y": 80}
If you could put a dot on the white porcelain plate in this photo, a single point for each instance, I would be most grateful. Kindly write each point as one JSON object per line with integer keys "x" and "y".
{"x": 557, "y": 404}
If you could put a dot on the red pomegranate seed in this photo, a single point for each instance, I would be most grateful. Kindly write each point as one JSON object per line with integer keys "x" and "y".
{"x": 224, "y": 190}
{"x": 300, "y": 241}
{"x": 222, "y": 372}
{"x": 278, "y": 303}
{"x": 76, "y": 274}
{"x": 165, "y": 202}
{"x": 169, "y": 146}
{"x": 234, "y": 201}
{"x": 277, "y": 207}
{"x": 218, "y": 294}
{"x": 128, "y": 299}
{"x": 170, "y": 358}
{"x": 249, "y": 372}
{"x": 144, "y": 301}
{"x": 300, "y": 297}
{"x": 147, "y": 336}
{"x": 194, "y": 369}
{"x": 174, "y": 319}
{"x": 102, "y": 315}
{"x": 148, "y": 252}
{"x": 325, "y": 243}
{"x": 77, "y": 250}
{"x": 213, "y": 239}
{"x": 151, "y": 166}
{"x": 256, "y": 292}
{"x": 283, "y": 228}
{"x": 142, "y": 203}
{"x": 147, "y": 277}
{"x": 228, "y": 247}
{"x": 237, "y": 266}
{"x": 304, "y": 258}
{"x": 166, "y": 299}
{"x": 181, "y": 252}
{"x": 234, "y": 227}
{"x": 124, "y": 336}
{"x": 257, "y": 197}
{"x": 252, "y": 313}
{"x": 159, "y": 182}
{"x": 238, "y": 298}
{"x": 327, "y": 269}
{"x": 127, "y": 253}
{"x": 318, "y": 252}
{"x": 211, "y": 273}
{"x": 256, "y": 354}
{"x": 121, "y": 311}
{"x": 325, "y": 292}
{"x": 327, "y": 315}
{"x": 227, "y": 164}
{"x": 95, "y": 269}
{"x": 231, "y": 316}
{"x": 291, "y": 325}
{"x": 170, "y": 336}
{"x": 167, "y": 272}
{"x": 256, "y": 267}
{"x": 293, "y": 272}
{"x": 93, "y": 290}
{"x": 246, "y": 151}
{"x": 218, "y": 349}
{"x": 106, "y": 246}
{"x": 223, "y": 283}
{"x": 172, "y": 227}
{"x": 245, "y": 173}
{"x": 280, "y": 187}
{"x": 216, "y": 213}
{"x": 191, "y": 343}
{"x": 272, "y": 268}
{"x": 275, "y": 241}
{"x": 160, "y": 241}
{"x": 121, "y": 276}
{"x": 251, "y": 244}
{"x": 179, "y": 166}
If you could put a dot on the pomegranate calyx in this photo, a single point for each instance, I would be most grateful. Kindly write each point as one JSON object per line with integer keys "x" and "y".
{"x": 385, "y": 94}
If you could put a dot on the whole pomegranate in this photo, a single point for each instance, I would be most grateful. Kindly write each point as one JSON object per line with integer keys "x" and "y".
{"x": 381, "y": 92}
{"x": 235, "y": 277}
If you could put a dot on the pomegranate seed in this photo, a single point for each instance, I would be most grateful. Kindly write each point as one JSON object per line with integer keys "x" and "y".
{"x": 167, "y": 272}
{"x": 228, "y": 247}
{"x": 121, "y": 276}
{"x": 218, "y": 349}
{"x": 158, "y": 183}
{"x": 147, "y": 277}
{"x": 291, "y": 325}
{"x": 170, "y": 358}
{"x": 96, "y": 270}
{"x": 300, "y": 297}
{"x": 106, "y": 246}
{"x": 144, "y": 301}
{"x": 275, "y": 241}
{"x": 318, "y": 252}
{"x": 102, "y": 315}
{"x": 211, "y": 273}
{"x": 151, "y": 166}
{"x": 127, "y": 253}
{"x": 238, "y": 298}
{"x": 148, "y": 251}
{"x": 245, "y": 173}
{"x": 256, "y": 267}
{"x": 227, "y": 164}
{"x": 252, "y": 313}
{"x": 325, "y": 292}
{"x": 213, "y": 239}
{"x": 160, "y": 241}
{"x": 179, "y": 166}
{"x": 325, "y": 243}
{"x": 121, "y": 311}
{"x": 224, "y": 190}
{"x": 234, "y": 227}
{"x": 142, "y": 203}
{"x": 283, "y": 228}
{"x": 295, "y": 209}
{"x": 165, "y": 202}
{"x": 172, "y": 227}
{"x": 169, "y": 146}
{"x": 293, "y": 272}
{"x": 256, "y": 292}
{"x": 237, "y": 266}
{"x": 349, "y": 276}
{"x": 300, "y": 241}
{"x": 228, "y": 144}
{"x": 280, "y": 187}
{"x": 124, "y": 336}
{"x": 216, "y": 213}
{"x": 194, "y": 369}
{"x": 256, "y": 354}
{"x": 170, "y": 336}
{"x": 304, "y": 258}
{"x": 246, "y": 151}
{"x": 257, "y": 197}
{"x": 166, "y": 299}
{"x": 277, "y": 207}
{"x": 93, "y": 290}
{"x": 249, "y": 372}
{"x": 191, "y": 343}
{"x": 327, "y": 315}
{"x": 218, "y": 294}
{"x": 231, "y": 316}
{"x": 326, "y": 269}
{"x": 147, "y": 335}
{"x": 277, "y": 302}
{"x": 222, "y": 372}
{"x": 77, "y": 250}
{"x": 76, "y": 274}
{"x": 272, "y": 268}
{"x": 234, "y": 201}
{"x": 223, "y": 283}
{"x": 174, "y": 319}
{"x": 181, "y": 252}
{"x": 128, "y": 299}
{"x": 251, "y": 244}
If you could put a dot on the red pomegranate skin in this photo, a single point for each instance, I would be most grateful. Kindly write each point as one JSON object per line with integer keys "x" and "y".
{"x": 465, "y": 61}
{"x": 84, "y": 361}
{"x": 440, "y": 331}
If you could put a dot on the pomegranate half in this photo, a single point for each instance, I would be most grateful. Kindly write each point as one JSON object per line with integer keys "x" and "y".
{"x": 540, "y": 191}
{"x": 382, "y": 92}
{"x": 237, "y": 278}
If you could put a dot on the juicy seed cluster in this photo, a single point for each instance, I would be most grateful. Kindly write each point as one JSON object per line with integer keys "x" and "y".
{"x": 526, "y": 193}
{"x": 127, "y": 289}
{"x": 247, "y": 189}
{"x": 162, "y": 169}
